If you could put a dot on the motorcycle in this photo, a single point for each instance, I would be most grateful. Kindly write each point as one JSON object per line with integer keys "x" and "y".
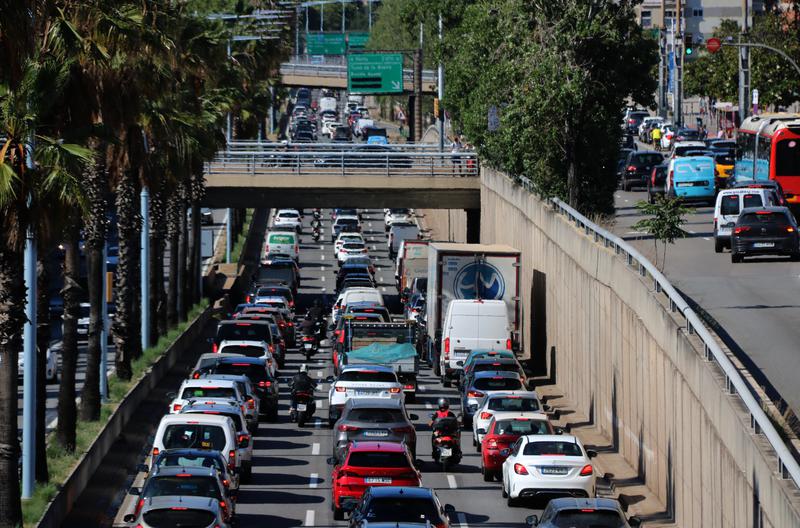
{"x": 316, "y": 224}
{"x": 304, "y": 408}
{"x": 316, "y": 234}
{"x": 447, "y": 442}
{"x": 309, "y": 346}
{"x": 317, "y": 214}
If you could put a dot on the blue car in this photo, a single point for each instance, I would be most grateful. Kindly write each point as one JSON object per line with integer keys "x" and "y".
{"x": 692, "y": 178}
{"x": 479, "y": 384}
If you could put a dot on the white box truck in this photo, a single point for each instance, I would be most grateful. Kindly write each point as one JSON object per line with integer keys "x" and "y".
{"x": 412, "y": 262}
{"x": 470, "y": 271}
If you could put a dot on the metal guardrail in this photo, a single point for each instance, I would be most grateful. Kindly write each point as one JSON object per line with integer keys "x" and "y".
{"x": 340, "y": 71}
{"x": 256, "y": 146}
{"x": 788, "y": 467}
{"x": 344, "y": 163}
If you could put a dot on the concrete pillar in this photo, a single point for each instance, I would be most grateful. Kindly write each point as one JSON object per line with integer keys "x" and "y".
{"x": 473, "y": 226}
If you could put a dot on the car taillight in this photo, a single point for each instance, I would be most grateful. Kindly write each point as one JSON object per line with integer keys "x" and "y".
{"x": 290, "y": 323}
{"x": 232, "y": 458}
{"x": 176, "y": 407}
{"x": 251, "y": 403}
{"x": 291, "y": 304}
{"x": 631, "y": 168}
{"x": 155, "y": 452}
{"x": 271, "y": 348}
{"x": 587, "y": 470}
{"x": 671, "y": 173}
{"x": 215, "y": 348}
{"x": 790, "y": 229}
{"x": 447, "y": 348}
{"x": 485, "y": 415}
{"x": 409, "y": 386}
{"x": 196, "y": 375}
{"x": 138, "y": 509}
{"x": 243, "y": 437}
{"x": 395, "y": 390}
{"x": 491, "y": 444}
{"x": 519, "y": 469}
{"x": 348, "y": 428}
{"x": 265, "y": 384}
{"x": 341, "y": 389}
{"x": 474, "y": 394}
{"x": 741, "y": 229}
{"x": 224, "y": 506}
{"x": 225, "y": 483}
{"x": 249, "y": 299}
{"x": 508, "y": 344}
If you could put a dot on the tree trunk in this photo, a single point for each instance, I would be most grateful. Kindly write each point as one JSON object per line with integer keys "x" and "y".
{"x": 193, "y": 255}
{"x": 71, "y": 293}
{"x": 42, "y": 344}
{"x": 158, "y": 219}
{"x": 572, "y": 179}
{"x": 183, "y": 244}
{"x": 12, "y": 318}
{"x": 173, "y": 228}
{"x": 95, "y": 235}
{"x": 125, "y": 334}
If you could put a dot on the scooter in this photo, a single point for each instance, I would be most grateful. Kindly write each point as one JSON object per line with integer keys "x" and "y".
{"x": 316, "y": 223}
{"x": 317, "y": 214}
{"x": 447, "y": 442}
{"x": 316, "y": 234}
{"x": 309, "y": 346}
{"x": 304, "y": 409}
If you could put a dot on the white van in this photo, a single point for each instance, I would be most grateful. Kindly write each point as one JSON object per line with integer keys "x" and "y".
{"x": 472, "y": 324}
{"x": 283, "y": 242}
{"x": 198, "y": 431}
{"x": 399, "y": 232}
{"x": 729, "y": 204}
{"x": 221, "y": 391}
{"x": 354, "y": 295}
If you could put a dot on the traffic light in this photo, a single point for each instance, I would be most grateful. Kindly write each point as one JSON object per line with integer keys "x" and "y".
{"x": 688, "y": 44}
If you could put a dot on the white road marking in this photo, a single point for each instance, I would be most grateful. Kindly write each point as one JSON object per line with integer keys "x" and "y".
{"x": 690, "y": 231}
{"x": 318, "y": 424}
{"x": 451, "y": 480}
{"x": 319, "y": 373}
{"x": 626, "y": 201}
{"x": 462, "y": 520}
{"x": 313, "y": 480}
{"x": 383, "y": 288}
{"x": 323, "y": 278}
{"x": 324, "y": 288}
{"x": 315, "y": 448}
{"x": 322, "y": 247}
{"x": 429, "y": 405}
{"x": 374, "y": 248}
{"x": 309, "y": 518}
{"x": 421, "y": 388}
{"x": 706, "y": 238}
{"x": 322, "y": 257}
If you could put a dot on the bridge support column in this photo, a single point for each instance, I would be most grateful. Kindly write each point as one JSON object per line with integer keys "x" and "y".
{"x": 473, "y": 226}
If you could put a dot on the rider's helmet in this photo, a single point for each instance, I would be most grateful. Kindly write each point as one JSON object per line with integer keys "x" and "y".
{"x": 303, "y": 368}
{"x": 444, "y": 405}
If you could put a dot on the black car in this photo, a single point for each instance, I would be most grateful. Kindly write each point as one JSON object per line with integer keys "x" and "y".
{"x": 257, "y": 370}
{"x": 343, "y": 134}
{"x": 765, "y": 231}
{"x": 687, "y": 134}
{"x": 398, "y": 504}
{"x": 656, "y": 183}
{"x": 623, "y": 156}
{"x": 279, "y": 272}
{"x": 634, "y": 119}
{"x": 637, "y": 168}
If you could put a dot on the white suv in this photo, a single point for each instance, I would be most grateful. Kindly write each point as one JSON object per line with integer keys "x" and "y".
{"x": 362, "y": 381}
{"x": 288, "y": 218}
{"x": 221, "y": 391}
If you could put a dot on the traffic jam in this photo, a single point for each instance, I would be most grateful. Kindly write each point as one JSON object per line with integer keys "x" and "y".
{"x": 393, "y": 359}
{"x": 752, "y": 181}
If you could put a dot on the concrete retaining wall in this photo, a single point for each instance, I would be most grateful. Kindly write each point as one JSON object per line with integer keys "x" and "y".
{"x": 446, "y": 224}
{"x": 614, "y": 350}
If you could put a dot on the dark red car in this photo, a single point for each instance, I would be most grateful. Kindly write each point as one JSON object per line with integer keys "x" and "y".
{"x": 504, "y": 429}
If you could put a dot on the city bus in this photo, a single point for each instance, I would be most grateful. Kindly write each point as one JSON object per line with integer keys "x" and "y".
{"x": 773, "y": 140}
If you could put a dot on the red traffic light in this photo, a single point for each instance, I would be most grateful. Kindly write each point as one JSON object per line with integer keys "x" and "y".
{"x": 713, "y": 45}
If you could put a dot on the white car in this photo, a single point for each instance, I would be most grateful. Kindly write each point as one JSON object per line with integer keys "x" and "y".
{"x": 288, "y": 218}
{"x": 51, "y": 365}
{"x": 252, "y": 403}
{"x": 275, "y": 301}
{"x": 398, "y": 218}
{"x": 517, "y": 401}
{"x": 221, "y": 391}
{"x": 345, "y": 224}
{"x": 351, "y": 249}
{"x": 347, "y": 237}
{"x": 256, "y": 349}
{"x": 352, "y": 295}
{"x": 667, "y": 133}
{"x": 329, "y": 127}
{"x": 362, "y": 381}
{"x": 207, "y": 431}
{"x": 548, "y": 465}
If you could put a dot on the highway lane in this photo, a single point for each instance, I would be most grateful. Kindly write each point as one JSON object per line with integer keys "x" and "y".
{"x": 756, "y": 302}
{"x": 291, "y": 477}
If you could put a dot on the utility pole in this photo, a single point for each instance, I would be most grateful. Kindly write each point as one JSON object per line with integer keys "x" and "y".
{"x": 296, "y": 33}
{"x": 744, "y": 66}
{"x": 440, "y": 89}
{"x": 29, "y": 358}
{"x": 679, "y": 52}
{"x": 662, "y": 61}
{"x": 145, "y": 265}
{"x": 229, "y": 121}
{"x": 369, "y": 10}
{"x": 343, "y": 25}
{"x": 418, "y": 89}
{"x": 321, "y": 17}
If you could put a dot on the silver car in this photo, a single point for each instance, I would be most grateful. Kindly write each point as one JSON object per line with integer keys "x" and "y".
{"x": 373, "y": 419}
{"x": 184, "y": 511}
{"x": 583, "y": 512}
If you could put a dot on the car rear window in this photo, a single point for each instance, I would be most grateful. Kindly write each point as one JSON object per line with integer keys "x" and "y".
{"x": 243, "y": 332}
{"x": 343, "y": 221}
{"x": 375, "y": 415}
{"x": 513, "y": 404}
{"x": 377, "y": 459}
{"x": 506, "y": 367}
{"x": 403, "y": 510}
{"x": 729, "y": 205}
{"x": 245, "y": 350}
{"x": 521, "y": 427}
{"x": 765, "y": 218}
{"x": 236, "y": 418}
{"x": 552, "y": 448}
{"x": 208, "y": 392}
{"x": 173, "y": 517}
{"x": 643, "y": 160}
{"x": 751, "y": 200}
{"x": 197, "y": 436}
{"x": 195, "y": 486}
{"x": 289, "y": 214}
{"x": 498, "y": 384}
{"x": 254, "y": 371}
{"x": 587, "y": 518}
{"x": 368, "y": 375}
{"x": 186, "y": 460}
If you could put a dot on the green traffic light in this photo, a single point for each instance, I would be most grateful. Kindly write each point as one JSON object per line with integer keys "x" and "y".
{"x": 688, "y": 51}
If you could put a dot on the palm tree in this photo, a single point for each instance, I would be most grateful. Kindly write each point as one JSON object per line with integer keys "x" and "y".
{"x": 72, "y": 293}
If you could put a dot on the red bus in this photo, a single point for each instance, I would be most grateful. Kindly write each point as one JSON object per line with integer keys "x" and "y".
{"x": 773, "y": 140}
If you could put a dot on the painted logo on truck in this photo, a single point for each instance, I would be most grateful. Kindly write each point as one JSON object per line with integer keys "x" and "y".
{"x": 480, "y": 280}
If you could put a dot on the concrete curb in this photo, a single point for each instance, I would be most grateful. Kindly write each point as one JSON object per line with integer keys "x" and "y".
{"x": 77, "y": 481}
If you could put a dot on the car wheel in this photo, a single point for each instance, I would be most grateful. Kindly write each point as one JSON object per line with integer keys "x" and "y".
{"x": 735, "y": 258}
{"x": 338, "y": 514}
{"x": 504, "y": 493}
{"x": 718, "y": 245}
{"x": 446, "y": 382}
{"x": 511, "y": 502}
{"x": 488, "y": 476}
{"x": 651, "y": 199}
{"x": 795, "y": 257}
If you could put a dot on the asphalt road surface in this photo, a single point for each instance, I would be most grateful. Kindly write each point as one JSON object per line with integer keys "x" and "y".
{"x": 757, "y": 302}
{"x": 291, "y": 477}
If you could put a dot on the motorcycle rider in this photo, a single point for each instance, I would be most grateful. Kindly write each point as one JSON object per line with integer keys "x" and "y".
{"x": 443, "y": 412}
{"x": 302, "y": 382}
{"x": 314, "y": 315}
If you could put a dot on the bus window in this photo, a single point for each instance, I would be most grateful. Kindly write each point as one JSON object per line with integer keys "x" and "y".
{"x": 787, "y": 154}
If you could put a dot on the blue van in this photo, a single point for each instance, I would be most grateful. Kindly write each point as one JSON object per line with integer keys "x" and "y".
{"x": 692, "y": 178}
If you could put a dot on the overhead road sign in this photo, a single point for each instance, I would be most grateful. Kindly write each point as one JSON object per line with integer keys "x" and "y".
{"x": 375, "y": 73}
{"x": 357, "y": 41}
{"x": 325, "y": 44}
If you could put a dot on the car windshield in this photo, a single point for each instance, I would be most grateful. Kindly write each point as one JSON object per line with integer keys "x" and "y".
{"x": 521, "y": 426}
{"x": 198, "y": 436}
{"x": 552, "y": 449}
{"x": 208, "y": 392}
{"x": 586, "y": 518}
{"x": 513, "y": 403}
{"x": 399, "y": 510}
{"x": 377, "y": 459}
{"x": 498, "y": 384}
{"x": 245, "y": 350}
{"x": 178, "y": 517}
{"x": 375, "y": 415}
{"x": 368, "y": 375}
{"x": 186, "y": 460}
{"x": 195, "y": 486}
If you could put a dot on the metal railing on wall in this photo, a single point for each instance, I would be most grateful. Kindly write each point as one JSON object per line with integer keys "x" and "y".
{"x": 760, "y": 423}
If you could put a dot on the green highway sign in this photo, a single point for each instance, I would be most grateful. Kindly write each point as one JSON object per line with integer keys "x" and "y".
{"x": 357, "y": 41}
{"x": 325, "y": 44}
{"x": 375, "y": 73}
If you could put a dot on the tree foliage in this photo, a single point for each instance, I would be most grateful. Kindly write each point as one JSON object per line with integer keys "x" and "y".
{"x": 664, "y": 220}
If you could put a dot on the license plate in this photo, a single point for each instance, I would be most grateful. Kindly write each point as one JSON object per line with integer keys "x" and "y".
{"x": 554, "y": 470}
{"x": 764, "y": 244}
{"x": 376, "y": 433}
{"x": 302, "y": 407}
{"x": 377, "y": 480}
{"x": 684, "y": 184}
{"x": 365, "y": 393}
{"x": 445, "y": 451}
{"x": 307, "y": 346}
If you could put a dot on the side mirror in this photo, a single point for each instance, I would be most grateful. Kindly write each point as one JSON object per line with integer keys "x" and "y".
{"x": 349, "y": 507}
{"x": 460, "y": 363}
{"x": 244, "y": 442}
{"x": 558, "y": 430}
{"x": 330, "y": 379}
{"x": 413, "y": 416}
{"x": 481, "y": 431}
{"x": 172, "y": 395}
{"x": 130, "y": 518}
{"x": 135, "y": 491}
{"x": 530, "y": 385}
{"x": 505, "y": 452}
{"x": 591, "y": 453}
{"x": 634, "y": 521}
{"x": 449, "y": 508}
{"x": 532, "y": 520}
{"x": 331, "y": 461}
{"x": 546, "y": 407}
{"x": 143, "y": 468}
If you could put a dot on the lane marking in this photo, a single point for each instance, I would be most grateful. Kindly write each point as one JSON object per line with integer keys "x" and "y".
{"x": 321, "y": 247}
{"x": 421, "y": 388}
{"x": 309, "y": 518}
{"x": 323, "y": 278}
{"x": 462, "y": 520}
{"x": 690, "y": 231}
{"x": 451, "y": 480}
{"x": 318, "y": 424}
{"x": 429, "y": 405}
{"x": 706, "y": 238}
{"x": 315, "y": 448}
{"x": 319, "y": 373}
{"x": 322, "y": 257}
{"x": 313, "y": 480}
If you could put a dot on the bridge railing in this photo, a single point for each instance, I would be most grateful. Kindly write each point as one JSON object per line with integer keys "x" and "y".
{"x": 270, "y": 146}
{"x": 345, "y": 163}
{"x": 787, "y": 466}
{"x": 340, "y": 71}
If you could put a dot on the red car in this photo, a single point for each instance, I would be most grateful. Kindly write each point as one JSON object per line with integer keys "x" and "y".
{"x": 369, "y": 464}
{"x": 504, "y": 429}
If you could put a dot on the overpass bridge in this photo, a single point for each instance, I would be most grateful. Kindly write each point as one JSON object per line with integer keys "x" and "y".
{"x": 302, "y": 72}
{"x": 342, "y": 175}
